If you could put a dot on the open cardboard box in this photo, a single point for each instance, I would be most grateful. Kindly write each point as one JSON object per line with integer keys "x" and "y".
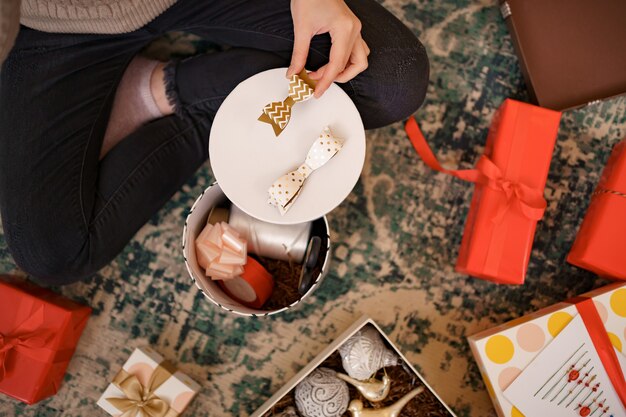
{"x": 427, "y": 400}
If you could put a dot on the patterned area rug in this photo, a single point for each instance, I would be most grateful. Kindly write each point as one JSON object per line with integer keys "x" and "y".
{"x": 396, "y": 239}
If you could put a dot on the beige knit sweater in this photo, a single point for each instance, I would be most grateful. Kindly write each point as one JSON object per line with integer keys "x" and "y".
{"x": 90, "y": 16}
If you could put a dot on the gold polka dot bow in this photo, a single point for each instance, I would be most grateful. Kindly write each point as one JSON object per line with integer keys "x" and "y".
{"x": 285, "y": 190}
{"x": 278, "y": 113}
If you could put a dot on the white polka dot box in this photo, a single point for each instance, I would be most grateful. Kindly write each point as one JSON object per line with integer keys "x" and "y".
{"x": 504, "y": 351}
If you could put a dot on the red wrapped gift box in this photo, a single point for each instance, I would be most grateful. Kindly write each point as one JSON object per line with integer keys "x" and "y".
{"x": 600, "y": 245}
{"x": 508, "y": 198}
{"x": 39, "y": 331}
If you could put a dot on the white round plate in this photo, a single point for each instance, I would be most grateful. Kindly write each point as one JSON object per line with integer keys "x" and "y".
{"x": 246, "y": 156}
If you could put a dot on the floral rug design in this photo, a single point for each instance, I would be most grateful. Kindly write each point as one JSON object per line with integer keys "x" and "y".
{"x": 396, "y": 239}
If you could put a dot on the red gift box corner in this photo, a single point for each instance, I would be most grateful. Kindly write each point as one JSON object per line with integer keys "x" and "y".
{"x": 600, "y": 244}
{"x": 39, "y": 330}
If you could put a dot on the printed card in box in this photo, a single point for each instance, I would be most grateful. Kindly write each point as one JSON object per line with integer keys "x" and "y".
{"x": 503, "y": 352}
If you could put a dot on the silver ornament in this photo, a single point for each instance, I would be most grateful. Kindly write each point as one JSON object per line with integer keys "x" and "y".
{"x": 365, "y": 353}
{"x": 322, "y": 394}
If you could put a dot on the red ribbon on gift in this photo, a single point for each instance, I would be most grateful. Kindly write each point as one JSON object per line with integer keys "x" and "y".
{"x": 28, "y": 338}
{"x": 602, "y": 344}
{"x": 530, "y": 200}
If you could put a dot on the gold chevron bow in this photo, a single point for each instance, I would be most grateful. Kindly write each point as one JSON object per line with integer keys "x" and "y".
{"x": 140, "y": 399}
{"x": 278, "y": 113}
{"x": 286, "y": 189}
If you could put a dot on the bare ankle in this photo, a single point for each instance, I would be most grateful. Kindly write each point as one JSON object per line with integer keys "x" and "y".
{"x": 157, "y": 87}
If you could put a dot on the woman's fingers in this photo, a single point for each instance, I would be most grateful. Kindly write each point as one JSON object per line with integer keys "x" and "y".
{"x": 367, "y": 48}
{"x": 348, "y": 51}
{"x": 301, "y": 44}
{"x": 340, "y": 51}
{"x": 356, "y": 64}
{"x": 319, "y": 73}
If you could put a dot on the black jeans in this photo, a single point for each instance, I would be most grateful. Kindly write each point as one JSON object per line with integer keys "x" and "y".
{"x": 65, "y": 213}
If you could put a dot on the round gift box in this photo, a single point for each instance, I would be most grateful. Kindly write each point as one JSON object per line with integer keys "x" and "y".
{"x": 196, "y": 220}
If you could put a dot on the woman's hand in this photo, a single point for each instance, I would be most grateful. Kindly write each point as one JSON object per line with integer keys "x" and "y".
{"x": 348, "y": 52}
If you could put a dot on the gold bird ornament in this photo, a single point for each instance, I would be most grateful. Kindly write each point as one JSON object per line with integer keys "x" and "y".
{"x": 357, "y": 410}
{"x": 373, "y": 389}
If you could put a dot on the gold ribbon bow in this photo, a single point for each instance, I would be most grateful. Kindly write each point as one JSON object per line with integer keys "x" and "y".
{"x": 140, "y": 399}
{"x": 278, "y": 113}
{"x": 286, "y": 189}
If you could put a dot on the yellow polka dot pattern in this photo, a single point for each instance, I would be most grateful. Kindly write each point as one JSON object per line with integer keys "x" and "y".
{"x": 557, "y": 322}
{"x": 618, "y": 302}
{"x": 615, "y": 341}
{"x": 499, "y": 349}
{"x": 516, "y": 413}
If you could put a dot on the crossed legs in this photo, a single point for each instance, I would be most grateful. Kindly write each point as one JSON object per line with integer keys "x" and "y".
{"x": 67, "y": 213}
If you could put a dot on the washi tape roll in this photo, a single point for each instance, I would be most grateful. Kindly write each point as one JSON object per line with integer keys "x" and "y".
{"x": 275, "y": 241}
{"x": 253, "y": 288}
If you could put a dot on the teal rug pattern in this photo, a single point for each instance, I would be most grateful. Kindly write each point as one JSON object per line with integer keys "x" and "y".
{"x": 395, "y": 239}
